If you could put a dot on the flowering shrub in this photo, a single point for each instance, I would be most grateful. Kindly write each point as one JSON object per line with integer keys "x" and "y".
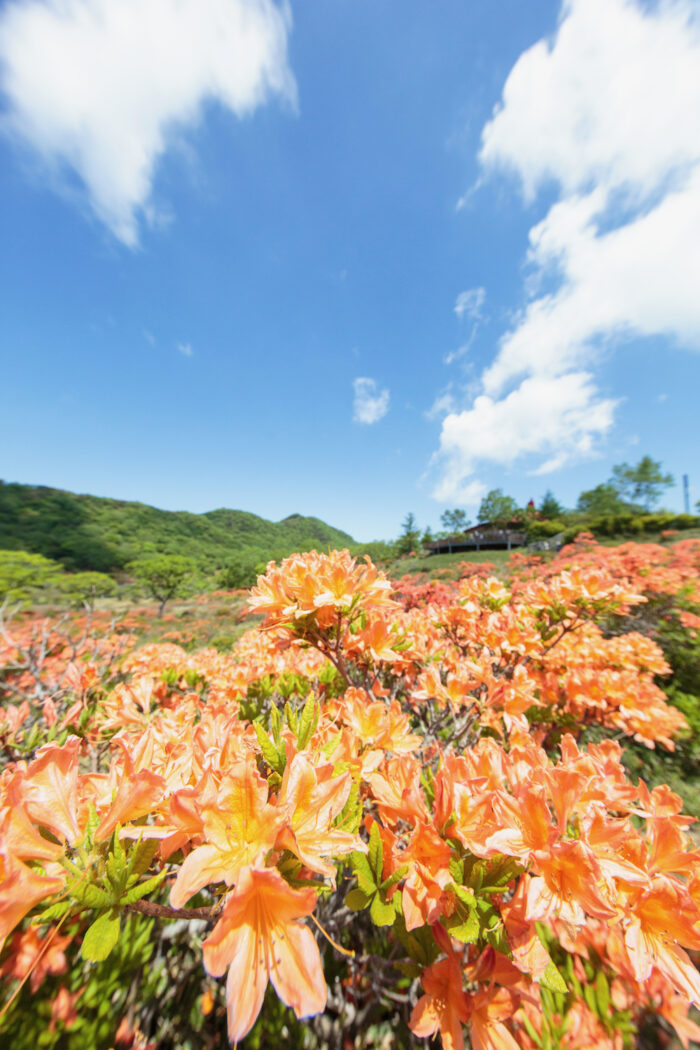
{"x": 378, "y": 810}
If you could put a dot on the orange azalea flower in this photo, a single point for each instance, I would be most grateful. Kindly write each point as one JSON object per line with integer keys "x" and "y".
{"x": 320, "y": 584}
{"x": 35, "y": 955}
{"x": 20, "y": 889}
{"x": 23, "y": 839}
{"x": 63, "y": 1008}
{"x": 312, "y": 798}
{"x": 488, "y": 1010}
{"x": 572, "y": 883}
{"x": 396, "y": 787}
{"x": 136, "y": 794}
{"x": 377, "y": 724}
{"x": 428, "y": 858}
{"x": 50, "y": 790}
{"x": 260, "y": 939}
{"x": 443, "y": 1008}
{"x": 240, "y": 827}
{"x": 662, "y": 919}
{"x": 529, "y": 954}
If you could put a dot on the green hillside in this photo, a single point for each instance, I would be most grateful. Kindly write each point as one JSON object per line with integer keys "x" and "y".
{"x": 89, "y": 532}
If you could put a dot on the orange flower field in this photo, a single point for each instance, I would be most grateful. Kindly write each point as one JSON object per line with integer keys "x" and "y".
{"x": 389, "y": 811}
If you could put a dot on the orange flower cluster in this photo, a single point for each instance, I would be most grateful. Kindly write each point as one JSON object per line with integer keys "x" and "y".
{"x": 417, "y": 762}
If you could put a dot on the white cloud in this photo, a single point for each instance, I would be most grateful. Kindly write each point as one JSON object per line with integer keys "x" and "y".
{"x": 101, "y": 88}
{"x": 469, "y": 303}
{"x": 185, "y": 349}
{"x": 606, "y": 115}
{"x": 443, "y": 404}
{"x": 463, "y": 494}
{"x": 454, "y": 355}
{"x": 370, "y": 404}
{"x": 559, "y": 418}
{"x": 613, "y": 100}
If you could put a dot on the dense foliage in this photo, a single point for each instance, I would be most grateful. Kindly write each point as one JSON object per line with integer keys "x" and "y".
{"x": 399, "y": 809}
{"x": 87, "y": 532}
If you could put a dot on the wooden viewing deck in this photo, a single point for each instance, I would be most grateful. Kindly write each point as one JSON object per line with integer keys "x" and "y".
{"x": 480, "y": 538}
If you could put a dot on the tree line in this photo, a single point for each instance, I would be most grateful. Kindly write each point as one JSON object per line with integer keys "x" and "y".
{"x": 631, "y": 490}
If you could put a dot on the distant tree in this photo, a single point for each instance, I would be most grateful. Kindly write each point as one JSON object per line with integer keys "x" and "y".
{"x": 22, "y": 574}
{"x": 550, "y": 507}
{"x": 601, "y": 501}
{"x": 84, "y": 588}
{"x": 455, "y": 520}
{"x": 497, "y": 507}
{"x": 238, "y": 573}
{"x": 378, "y": 551}
{"x": 427, "y": 536}
{"x": 642, "y": 484}
{"x": 164, "y": 575}
{"x": 409, "y": 540}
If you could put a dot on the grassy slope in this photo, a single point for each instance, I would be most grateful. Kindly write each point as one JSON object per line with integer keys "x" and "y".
{"x": 433, "y": 564}
{"x": 89, "y": 532}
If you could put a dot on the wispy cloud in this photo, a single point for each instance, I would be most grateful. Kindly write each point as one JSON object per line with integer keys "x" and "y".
{"x": 370, "y": 404}
{"x": 606, "y": 114}
{"x": 149, "y": 337}
{"x": 444, "y": 403}
{"x": 185, "y": 349}
{"x": 102, "y": 88}
{"x": 461, "y": 351}
{"x": 469, "y": 303}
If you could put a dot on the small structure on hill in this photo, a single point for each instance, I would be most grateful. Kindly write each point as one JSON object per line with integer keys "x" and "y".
{"x": 486, "y": 536}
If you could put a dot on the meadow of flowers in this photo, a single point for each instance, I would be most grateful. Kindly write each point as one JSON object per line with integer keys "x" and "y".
{"x": 390, "y": 811}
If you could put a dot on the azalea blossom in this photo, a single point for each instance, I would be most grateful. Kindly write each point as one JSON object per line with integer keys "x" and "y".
{"x": 260, "y": 938}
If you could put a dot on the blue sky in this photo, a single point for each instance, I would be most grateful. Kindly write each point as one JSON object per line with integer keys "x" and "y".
{"x": 346, "y": 258}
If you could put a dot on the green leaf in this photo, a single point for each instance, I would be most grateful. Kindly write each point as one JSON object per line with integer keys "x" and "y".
{"x": 356, "y": 900}
{"x": 393, "y": 879}
{"x": 56, "y": 911}
{"x": 552, "y": 979}
{"x": 380, "y": 912}
{"x": 602, "y": 994}
{"x": 118, "y": 850}
{"x": 408, "y": 969}
{"x": 376, "y": 852}
{"x": 92, "y": 825}
{"x": 457, "y": 870}
{"x": 142, "y": 856}
{"x": 143, "y": 889}
{"x": 365, "y": 876}
{"x": 331, "y": 745}
{"x": 499, "y": 873}
{"x": 269, "y": 751}
{"x": 289, "y": 865}
{"x": 116, "y": 872}
{"x": 419, "y": 943}
{"x": 351, "y": 814}
{"x": 91, "y": 895}
{"x": 290, "y": 715}
{"x": 496, "y": 937}
{"x": 464, "y": 929}
{"x": 527, "y": 1024}
{"x": 306, "y": 722}
{"x": 465, "y": 895}
{"x": 276, "y": 724}
{"x": 101, "y": 937}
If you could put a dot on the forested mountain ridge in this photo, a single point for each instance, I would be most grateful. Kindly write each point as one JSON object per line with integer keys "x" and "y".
{"x": 92, "y": 532}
